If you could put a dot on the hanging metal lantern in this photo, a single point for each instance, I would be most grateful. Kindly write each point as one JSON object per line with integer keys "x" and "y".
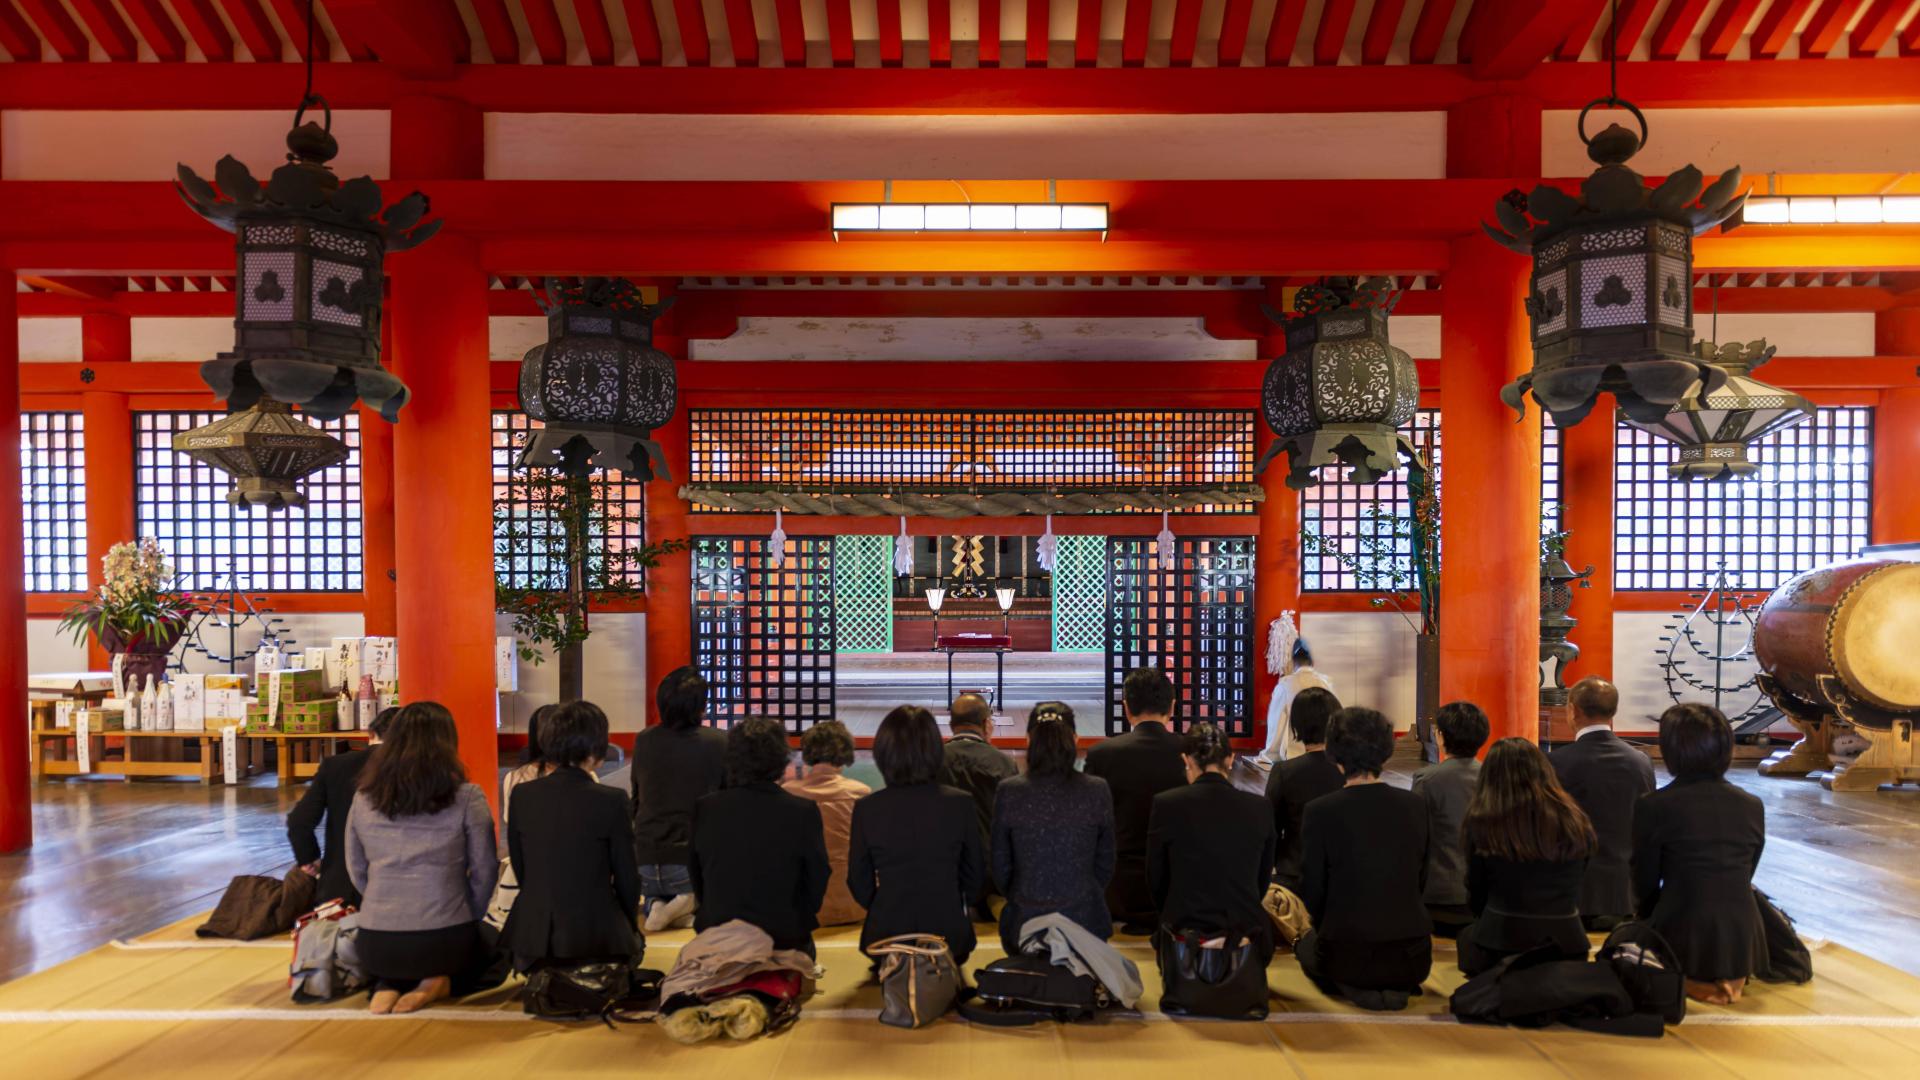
{"x": 310, "y": 282}
{"x": 1713, "y": 428}
{"x": 598, "y": 384}
{"x": 1340, "y": 393}
{"x": 266, "y": 449}
{"x": 1611, "y": 296}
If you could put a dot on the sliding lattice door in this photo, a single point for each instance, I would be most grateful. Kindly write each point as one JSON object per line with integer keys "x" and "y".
{"x": 1195, "y": 622}
{"x": 763, "y": 635}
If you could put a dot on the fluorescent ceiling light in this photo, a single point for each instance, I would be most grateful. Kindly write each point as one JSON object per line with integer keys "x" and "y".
{"x": 1832, "y": 210}
{"x": 969, "y": 217}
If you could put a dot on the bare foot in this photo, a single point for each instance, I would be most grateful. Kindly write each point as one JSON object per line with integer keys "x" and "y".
{"x": 428, "y": 992}
{"x": 383, "y": 1001}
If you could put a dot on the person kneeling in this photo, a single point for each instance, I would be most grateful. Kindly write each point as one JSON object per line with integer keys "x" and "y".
{"x": 1527, "y": 845}
{"x": 570, "y": 840}
{"x": 1363, "y": 872}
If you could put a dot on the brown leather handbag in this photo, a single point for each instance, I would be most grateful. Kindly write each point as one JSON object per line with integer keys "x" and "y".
{"x": 918, "y": 979}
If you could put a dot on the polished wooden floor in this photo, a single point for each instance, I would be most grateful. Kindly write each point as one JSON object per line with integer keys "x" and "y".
{"x": 116, "y": 859}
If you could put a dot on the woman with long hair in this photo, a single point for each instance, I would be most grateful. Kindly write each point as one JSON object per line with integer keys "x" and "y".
{"x": 1527, "y": 844}
{"x": 420, "y": 849}
{"x": 1053, "y": 840}
{"x": 915, "y": 860}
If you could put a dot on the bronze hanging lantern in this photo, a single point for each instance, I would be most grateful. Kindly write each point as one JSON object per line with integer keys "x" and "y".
{"x": 1341, "y": 391}
{"x": 598, "y": 384}
{"x": 1611, "y": 295}
{"x": 266, "y": 449}
{"x": 1713, "y": 428}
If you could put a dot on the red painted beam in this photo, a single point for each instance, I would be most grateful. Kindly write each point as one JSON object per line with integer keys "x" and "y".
{"x": 21, "y": 43}
{"x": 1134, "y": 32}
{"x": 1676, "y": 28}
{"x": 793, "y": 32}
{"x": 1331, "y": 36}
{"x": 1826, "y": 26}
{"x": 887, "y": 15}
{"x": 745, "y": 36}
{"x": 205, "y": 28}
{"x": 1429, "y": 30}
{"x": 155, "y": 27}
{"x": 109, "y": 29}
{"x": 549, "y": 37}
{"x": 1517, "y": 36}
{"x": 293, "y": 19}
{"x": 839, "y": 30}
{"x": 1910, "y": 38}
{"x": 989, "y": 39}
{"x": 1283, "y": 33}
{"x": 257, "y": 31}
{"x": 1382, "y": 25}
{"x": 501, "y": 43}
{"x": 1776, "y": 28}
{"x": 939, "y": 33}
{"x": 57, "y": 28}
{"x": 1876, "y": 26}
{"x": 1185, "y": 33}
{"x": 423, "y": 40}
{"x": 1580, "y": 27}
{"x": 1039, "y": 32}
{"x": 1086, "y": 34}
{"x": 643, "y": 29}
{"x": 1725, "y": 29}
{"x": 595, "y": 32}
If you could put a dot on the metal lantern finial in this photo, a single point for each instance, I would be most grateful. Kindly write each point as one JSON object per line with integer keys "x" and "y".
{"x": 1611, "y": 294}
{"x": 1341, "y": 391}
{"x": 1713, "y": 428}
{"x": 598, "y": 384}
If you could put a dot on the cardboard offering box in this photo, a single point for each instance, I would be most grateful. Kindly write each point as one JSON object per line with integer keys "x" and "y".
{"x": 308, "y": 717}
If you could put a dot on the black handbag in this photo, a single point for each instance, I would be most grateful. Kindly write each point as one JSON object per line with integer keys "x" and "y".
{"x": 1781, "y": 957}
{"x": 589, "y": 991}
{"x": 1216, "y": 975}
{"x": 1648, "y": 968}
{"x": 1018, "y": 990}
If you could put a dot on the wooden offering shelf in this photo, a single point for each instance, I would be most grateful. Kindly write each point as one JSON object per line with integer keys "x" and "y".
{"x": 146, "y": 753}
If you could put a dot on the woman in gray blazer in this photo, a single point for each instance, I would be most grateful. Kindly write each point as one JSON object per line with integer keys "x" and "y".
{"x": 420, "y": 849}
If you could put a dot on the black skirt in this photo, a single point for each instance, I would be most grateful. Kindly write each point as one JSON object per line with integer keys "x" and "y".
{"x": 398, "y": 956}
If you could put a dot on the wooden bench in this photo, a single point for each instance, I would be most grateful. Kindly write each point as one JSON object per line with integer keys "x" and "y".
{"x": 206, "y": 767}
{"x": 299, "y": 756}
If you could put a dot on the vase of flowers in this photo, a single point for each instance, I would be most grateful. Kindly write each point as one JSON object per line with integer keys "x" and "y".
{"x": 137, "y": 613}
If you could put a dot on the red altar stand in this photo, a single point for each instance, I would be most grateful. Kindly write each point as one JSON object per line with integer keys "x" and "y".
{"x": 972, "y": 641}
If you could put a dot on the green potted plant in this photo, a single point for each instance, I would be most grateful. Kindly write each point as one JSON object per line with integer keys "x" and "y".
{"x": 137, "y": 613}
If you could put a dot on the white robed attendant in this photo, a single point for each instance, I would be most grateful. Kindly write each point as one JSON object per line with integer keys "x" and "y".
{"x": 1289, "y": 658}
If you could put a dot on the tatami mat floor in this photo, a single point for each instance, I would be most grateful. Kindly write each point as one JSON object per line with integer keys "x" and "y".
{"x": 167, "y": 1004}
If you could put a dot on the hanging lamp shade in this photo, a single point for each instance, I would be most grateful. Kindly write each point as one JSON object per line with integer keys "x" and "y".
{"x": 311, "y": 253}
{"x": 598, "y": 384}
{"x": 1611, "y": 293}
{"x": 266, "y": 449}
{"x": 1341, "y": 391}
{"x": 1713, "y": 428}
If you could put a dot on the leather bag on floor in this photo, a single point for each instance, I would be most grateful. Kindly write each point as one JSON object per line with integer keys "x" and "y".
{"x": 1289, "y": 915}
{"x": 597, "y": 991}
{"x": 1784, "y": 958}
{"x": 257, "y": 907}
{"x": 1215, "y": 975}
{"x": 918, "y": 979}
{"x": 1018, "y": 990}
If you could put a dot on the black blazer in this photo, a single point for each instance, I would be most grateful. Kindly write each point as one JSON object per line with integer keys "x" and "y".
{"x": 1606, "y": 776}
{"x": 672, "y": 769}
{"x": 1053, "y": 851}
{"x": 1209, "y": 857}
{"x": 1137, "y": 766}
{"x": 1363, "y": 864}
{"x": 1695, "y": 846}
{"x": 760, "y": 855}
{"x": 571, "y": 843}
{"x": 1291, "y": 785}
{"x": 915, "y": 861}
{"x": 1520, "y": 905}
{"x": 328, "y": 796}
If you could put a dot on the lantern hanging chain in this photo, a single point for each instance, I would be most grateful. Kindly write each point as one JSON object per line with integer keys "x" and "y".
{"x": 307, "y": 96}
{"x": 1613, "y": 49}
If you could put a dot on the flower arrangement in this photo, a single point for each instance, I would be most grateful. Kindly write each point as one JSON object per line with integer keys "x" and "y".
{"x": 136, "y": 609}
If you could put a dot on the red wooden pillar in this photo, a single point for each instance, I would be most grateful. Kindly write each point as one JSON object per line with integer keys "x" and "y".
{"x": 106, "y": 337}
{"x": 16, "y": 800}
{"x": 442, "y": 448}
{"x": 1490, "y": 493}
{"x": 670, "y": 584}
{"x": 1586, "y": 494}
{"x": 1896, "y": 434}
{"x": 377, "y": 594}
{"x": 1276, "y": 582}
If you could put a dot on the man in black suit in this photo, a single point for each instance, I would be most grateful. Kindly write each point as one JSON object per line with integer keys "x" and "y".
{"x": 1606, "y": 777}
{"x": 1137, "y": 766}
{"x": 974, "y": 765}
{"x": 1301, "y": 778}
{"x": 329, "y": 796}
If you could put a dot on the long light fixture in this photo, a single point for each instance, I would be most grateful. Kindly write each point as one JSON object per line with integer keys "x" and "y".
{"x": 1832, "y": 210}
{"x": 1042, "y": 217}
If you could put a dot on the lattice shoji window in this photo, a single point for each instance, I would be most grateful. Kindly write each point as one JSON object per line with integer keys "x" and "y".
{"x": 881, "y": 450}
{"x": 1811, "y": 502}
{"x": 53, "y": 494}
{"x": 1339, "y": 511}
{"x": 764, "y": 636}
{"x": 1194, "y": 622}
{"x": 863, "y": 593}
{"x": 1080, "y": 594}
{"x": 183, "y": 504}
{"x": 523, "y": 557}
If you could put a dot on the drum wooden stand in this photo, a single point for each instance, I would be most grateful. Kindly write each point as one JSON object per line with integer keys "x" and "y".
{"x": 1890, "y": 759}
{"x": 1812, "y": 754}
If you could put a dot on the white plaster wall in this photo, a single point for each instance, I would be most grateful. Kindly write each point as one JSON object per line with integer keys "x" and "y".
{"x": 1839, "y": 139}
{"x": 616, "y": 675}
{"x": 1835, "y": 333}
{"x": 574, "y": 146}
{"x": 510, "y": 336}
{"x": 50, "y": 341}
{"x": 1165, "y": 339}
{"x": 50, "y": 649}
{"x": 194, "y": 339}
{"x": 76, "y": 144}
{"x": 1418, "y": 334}
{"x": 1368, "y": 657}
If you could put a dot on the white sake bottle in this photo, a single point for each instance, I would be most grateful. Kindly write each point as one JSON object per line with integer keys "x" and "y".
{"x": 150, "y": 705}
{"x": 163, "y": 709}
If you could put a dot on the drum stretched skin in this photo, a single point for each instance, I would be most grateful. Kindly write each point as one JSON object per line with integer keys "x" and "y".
{"x": 1856, "y": 621}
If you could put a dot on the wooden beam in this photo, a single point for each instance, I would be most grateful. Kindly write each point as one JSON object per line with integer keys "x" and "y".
{"x": 887, "y": 15}
{"x": 1776, "y": 28}
{"x": 939, "y": 33}
{"x": 839, "y": 30}
{"x": 503, "y": 44}
{"x": 1086, "y": 33}
{"x": 1185, "y": 33}
{"x": 643, "y": 29}
{"x": 1382, "y": 24}
{"x": 257, "y": 31}
{"x": 421, "y": 40}
{"x": 1876, "y": 26}
{"x": 1135, "y": 29}
{"x": 743, "y": 35}
{"x": 1039, "y": 32}
{"x": 1430, "y": 30}
{"x": 596, "y": 33}
{"x": 57, "y": 29}
{"x": 1910, "y": 38}
{"x": 793, "y": 32}
{"x": 1724, "y": 30}
{"x": 205, "y": 28}
{"x": 1283, "y": 33}
{"x": 989, "y": 33}
{"x": 549, "y": 37}
{"x": 21, "y": 43}
{"x": 1676, "y": 28}
{"x": 1825, "y": 28}
{"x": 1580, "y": 29}
{"x": 1331, "y": 35}
{"x": 1516, "y": 36}
{"x": 110, "y": 31}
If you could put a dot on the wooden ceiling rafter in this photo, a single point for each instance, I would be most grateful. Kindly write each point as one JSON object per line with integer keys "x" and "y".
{"x": 1727, "y": 26}
{"x": 1086, "y": 30}
{"x": 743, "y": 36}
{"x": 543, "y": 25}
{"x": 1330, "y": 37}
{"x": 1826, "y": 26}
{"x": 109, "y": 30}
{"x": 1429, "y": 30}
{"x": 596, "y": 33}
{"x": 496, "y": 28}
{"x": 1383, "y": 25}
{"x": 256, "y": 31}
{"x": 1776, "y": 27}
{"x": 1185, "y": 37}
{"x": 793, "y": 32}
{"x": 206, "y": 29}
{"x": 1877, "y": 25}
{"x": 1039, "y": 31}
{"x": 892, "y": 41}
{"x": 16, "y": 37}
{"x": 939, "y": 33}
{"x": 57, "y": 28}
{"x": 839, "y": 29}
{"x": 1136, "y": 27}
{"x": 1676, "y": 28}
{"x": 1283, "y": 33}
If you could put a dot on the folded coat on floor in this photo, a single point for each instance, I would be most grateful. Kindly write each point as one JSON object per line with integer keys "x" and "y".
{"x": 257, "y": 907}
{"x": 725, "y": 955}
{"x": 1074, "y": 947}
